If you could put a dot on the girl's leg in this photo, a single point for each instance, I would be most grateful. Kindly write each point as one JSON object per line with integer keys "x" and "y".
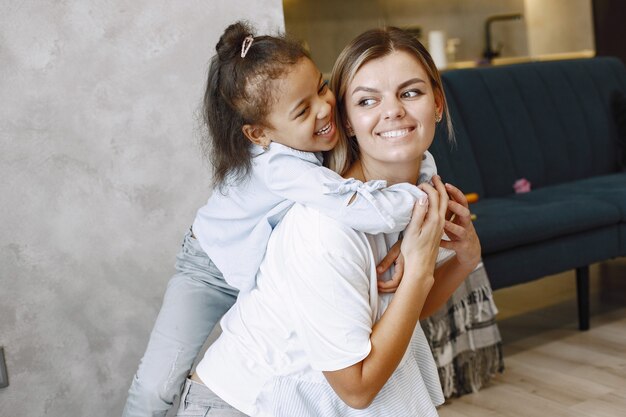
{"x": 199, "y": 401}
{"x": 195, "y": 299}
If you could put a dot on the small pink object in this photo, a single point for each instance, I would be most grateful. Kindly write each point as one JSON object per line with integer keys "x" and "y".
{"x": 521, "y": 186}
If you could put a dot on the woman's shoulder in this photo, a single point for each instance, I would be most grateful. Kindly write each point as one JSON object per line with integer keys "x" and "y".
{"x": 308, "y": 226}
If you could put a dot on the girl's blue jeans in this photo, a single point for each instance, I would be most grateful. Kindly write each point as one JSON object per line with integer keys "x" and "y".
{"x": 199, "y": 401}
{"x": 196, "y": 298}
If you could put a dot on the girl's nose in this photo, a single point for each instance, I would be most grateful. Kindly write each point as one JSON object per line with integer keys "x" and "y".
{"x": 324, "y": 110}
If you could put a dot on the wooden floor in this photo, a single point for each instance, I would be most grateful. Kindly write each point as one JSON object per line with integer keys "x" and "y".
{"x": 552, "y": 369}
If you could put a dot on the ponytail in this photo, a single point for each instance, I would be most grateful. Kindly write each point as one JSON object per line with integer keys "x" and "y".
{"x": 239, "y": 91}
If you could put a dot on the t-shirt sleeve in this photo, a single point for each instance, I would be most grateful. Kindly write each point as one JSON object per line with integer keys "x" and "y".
{"x": 329, "y": 289}
{"x": 375, "y": 207}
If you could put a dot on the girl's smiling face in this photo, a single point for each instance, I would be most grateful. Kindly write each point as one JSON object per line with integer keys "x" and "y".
{"x": 301, "y": 115}
{"x": 392, "y": 108}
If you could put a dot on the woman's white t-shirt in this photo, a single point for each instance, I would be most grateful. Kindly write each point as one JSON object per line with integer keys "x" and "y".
{"x": 313, "y": 310}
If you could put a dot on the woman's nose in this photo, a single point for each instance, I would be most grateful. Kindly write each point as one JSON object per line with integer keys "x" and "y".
{"x": 393, "y": 109}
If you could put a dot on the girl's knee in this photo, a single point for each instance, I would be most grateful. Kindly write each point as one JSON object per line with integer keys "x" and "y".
{"x": 148, "y": 396}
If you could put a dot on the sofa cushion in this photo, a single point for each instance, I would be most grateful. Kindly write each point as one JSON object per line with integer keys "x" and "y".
{"x": 608, "y": 188}
{"x": 539, "y": 259}
{"x": 549, "y": 122}
{"x": 521, "y": 219}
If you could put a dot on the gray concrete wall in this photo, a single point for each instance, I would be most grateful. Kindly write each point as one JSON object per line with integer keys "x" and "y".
{"x": 101, "y": 176}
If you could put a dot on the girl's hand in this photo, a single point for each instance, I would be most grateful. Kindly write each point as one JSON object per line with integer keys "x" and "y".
{"x": 422, "y": 236}
{"x": 394, "y": 257}
{"x": 460, "y": 229}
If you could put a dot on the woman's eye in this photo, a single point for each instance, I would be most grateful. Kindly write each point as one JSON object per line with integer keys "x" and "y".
{"x": 411, "y": 93}
{"x": 323, "y": 88}
{"x": 366, "y": 102}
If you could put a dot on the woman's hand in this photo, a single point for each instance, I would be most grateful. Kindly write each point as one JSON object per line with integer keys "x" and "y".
{"x": 458, "y": 226}
{"x": 460, "y": 229}
{"x": 422, "y": 236}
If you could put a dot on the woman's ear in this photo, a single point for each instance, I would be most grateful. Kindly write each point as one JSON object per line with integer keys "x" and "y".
{"x": 349, "y": 129}
{"x": 439, "y": 103}
{"x": 257, "y": 135}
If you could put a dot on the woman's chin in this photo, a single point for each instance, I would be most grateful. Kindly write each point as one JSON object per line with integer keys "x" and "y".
{"x": 401, "y": 156}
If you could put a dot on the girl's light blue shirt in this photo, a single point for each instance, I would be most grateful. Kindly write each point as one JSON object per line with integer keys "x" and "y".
{"x": 233, "y": 228}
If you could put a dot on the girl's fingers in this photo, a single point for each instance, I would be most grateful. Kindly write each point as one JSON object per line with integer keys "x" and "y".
{"x": 389, "y": 259}
{"x": 386, "y": 285}
{"x": 388, "y": 290}
{"x": 398, "y": 273}
{"x": 393, "y": 284}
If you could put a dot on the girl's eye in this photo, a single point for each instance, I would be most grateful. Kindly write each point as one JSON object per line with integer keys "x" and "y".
{"x": 366, "y": 102}
{"x": 411, "y": 93}
{"x": 323, "y": 88}
{"x": 302, "y": 112}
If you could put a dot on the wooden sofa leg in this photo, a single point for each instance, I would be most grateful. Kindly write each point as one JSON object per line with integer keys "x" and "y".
{"x": 582, "y": 292}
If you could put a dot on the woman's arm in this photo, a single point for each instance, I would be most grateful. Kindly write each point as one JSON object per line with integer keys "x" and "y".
{"x": 447, "y": 279}
{"x": 464, "y": 241}
{"x": 452, "y": 272}
{"x": 358, "y": 385}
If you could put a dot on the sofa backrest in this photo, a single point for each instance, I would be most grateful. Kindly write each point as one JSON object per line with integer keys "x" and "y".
{"x": 548, "y": 122}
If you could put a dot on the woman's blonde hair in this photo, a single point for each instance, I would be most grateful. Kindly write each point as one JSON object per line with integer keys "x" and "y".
{"x": 370, "y": 45}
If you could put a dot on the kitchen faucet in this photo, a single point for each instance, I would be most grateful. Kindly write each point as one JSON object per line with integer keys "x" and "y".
{"x": 490, "y": 53}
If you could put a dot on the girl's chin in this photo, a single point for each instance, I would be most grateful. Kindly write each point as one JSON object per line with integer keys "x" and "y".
{"x": 328, "y": 143}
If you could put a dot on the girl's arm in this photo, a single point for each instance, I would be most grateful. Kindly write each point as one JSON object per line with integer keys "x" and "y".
{"x": 358, "y": 385}
{"x": 367, "y": 207}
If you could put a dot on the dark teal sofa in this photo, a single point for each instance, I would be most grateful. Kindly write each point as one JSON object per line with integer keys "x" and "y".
{"x": 553, "y": 124}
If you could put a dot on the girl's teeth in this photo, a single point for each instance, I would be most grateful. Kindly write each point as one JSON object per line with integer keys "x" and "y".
{"x": 323, "y": 130}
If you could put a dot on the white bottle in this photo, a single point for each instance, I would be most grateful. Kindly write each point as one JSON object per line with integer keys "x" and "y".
{"x": 437, "y": 47}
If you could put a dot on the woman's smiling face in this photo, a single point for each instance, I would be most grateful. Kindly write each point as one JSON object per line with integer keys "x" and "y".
{"x": 392, "y": 108}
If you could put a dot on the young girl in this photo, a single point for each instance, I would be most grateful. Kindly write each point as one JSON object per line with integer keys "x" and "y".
{"x": 269, "y": 114}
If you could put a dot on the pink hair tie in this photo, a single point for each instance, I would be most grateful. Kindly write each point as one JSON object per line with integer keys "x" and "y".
{"x": 245, "y": 45}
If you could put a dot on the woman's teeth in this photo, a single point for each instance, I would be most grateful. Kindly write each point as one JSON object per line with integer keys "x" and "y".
{"x": 394, "y": 133}
{"x": 324, "y": 130}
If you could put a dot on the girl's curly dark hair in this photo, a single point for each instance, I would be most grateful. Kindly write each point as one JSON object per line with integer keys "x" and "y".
{"x": 239, "y": 91}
